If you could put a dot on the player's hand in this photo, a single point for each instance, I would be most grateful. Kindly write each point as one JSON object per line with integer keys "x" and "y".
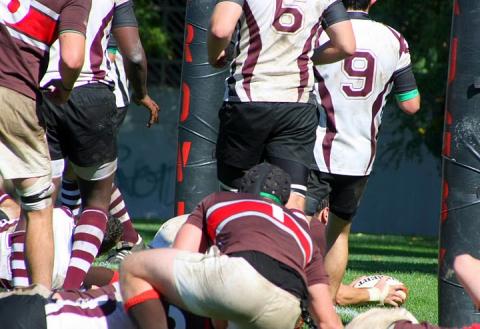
{"x": 151, "y": 105}
{"x": 56, "y": 92}
{"x": 221, "y": 60}
{"x": 395, "y": 295}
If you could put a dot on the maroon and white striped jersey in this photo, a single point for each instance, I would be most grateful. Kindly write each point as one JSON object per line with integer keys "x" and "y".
{"x": 353, "y": 93}
{"x": 63, "y": 224}
{"x": 237, "y": 222}
{"x": 96, "y": 64}
{"x": 94, "y": 309}
{"x": 274, "y": 47}
{"x": 27, "y": 30}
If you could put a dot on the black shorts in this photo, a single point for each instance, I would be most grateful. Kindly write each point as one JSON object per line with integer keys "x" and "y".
{"x": 120, "y": 116}
{"x": 344, "y": 193}
{"x": 84, "y": 129}
{"x": 280, "y": 133}
{"x": 23, "y": 311}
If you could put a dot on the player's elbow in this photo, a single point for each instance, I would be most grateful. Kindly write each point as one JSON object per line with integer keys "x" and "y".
{"x": 410, "y": 106}
{"x": 220, "y": 32}
{"x": 348, "y": 47}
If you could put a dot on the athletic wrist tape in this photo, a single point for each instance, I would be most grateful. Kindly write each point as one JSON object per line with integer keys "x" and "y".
{"x": 377, "y": 295}
{"x": 140, "y": 298}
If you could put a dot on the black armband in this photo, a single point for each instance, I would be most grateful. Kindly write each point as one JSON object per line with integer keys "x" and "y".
{"x": 404, "y": 80}
{"x": 335, "y": 13}
{"x": 124, "y": 16}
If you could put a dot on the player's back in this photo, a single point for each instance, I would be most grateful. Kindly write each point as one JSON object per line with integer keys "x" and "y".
{"x": 275, "y": 44}
{"x": 353, "y": 93}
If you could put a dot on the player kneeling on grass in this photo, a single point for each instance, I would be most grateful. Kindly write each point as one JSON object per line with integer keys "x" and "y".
{"x": 240, "y": 257}
{"x": 399, "y": 318}
{"x": 380, "y": 289}
{"x": 13, "y": 267}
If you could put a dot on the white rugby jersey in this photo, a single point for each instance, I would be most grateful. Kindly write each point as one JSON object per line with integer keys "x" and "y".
{"x": 353, "y": 93}
{"x": 95, "y": 66}
{"x": 119, "y": 77}
{"x": 63, "y": 225}
{"x": 95, "y": 309}
{"x": 274, "y": 47}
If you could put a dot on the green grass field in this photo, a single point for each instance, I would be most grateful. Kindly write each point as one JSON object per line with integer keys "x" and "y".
{"x": 412, "y": 260}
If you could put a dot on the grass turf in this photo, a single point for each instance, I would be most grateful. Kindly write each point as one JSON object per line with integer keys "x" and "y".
{"x": 412, "y": 260}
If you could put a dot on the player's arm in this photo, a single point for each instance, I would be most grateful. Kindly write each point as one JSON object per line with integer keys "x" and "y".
{"x": 321, "y": 307}
{"x": 466, "y": 269}
{"x": 222, "y": 26}
{"x": 72, "y": 29}
{"x": 72, "y": 55}
{"x": 406, "y": 91}
{"x": 125, "y": 31}
{"x": 338, "y": 27}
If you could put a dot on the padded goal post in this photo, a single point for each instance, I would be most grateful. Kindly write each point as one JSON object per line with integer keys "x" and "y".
{"x": 460, "y": 212}
{"x": 202, "y": 90}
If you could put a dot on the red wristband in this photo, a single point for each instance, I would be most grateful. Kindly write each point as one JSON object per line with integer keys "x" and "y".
{"x": 140, "y": 298}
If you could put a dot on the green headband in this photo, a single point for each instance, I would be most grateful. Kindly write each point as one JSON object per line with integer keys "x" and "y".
{"x": 271, "y": 197}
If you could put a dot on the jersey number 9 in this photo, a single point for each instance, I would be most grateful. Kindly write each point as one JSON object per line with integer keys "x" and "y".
{"x": 360, "y": 70}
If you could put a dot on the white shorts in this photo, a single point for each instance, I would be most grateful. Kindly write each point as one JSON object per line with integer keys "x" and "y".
{"x": 229, "y": 288}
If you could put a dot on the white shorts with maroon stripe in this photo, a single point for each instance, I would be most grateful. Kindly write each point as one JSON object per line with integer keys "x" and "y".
{"x": 222, "y": 287}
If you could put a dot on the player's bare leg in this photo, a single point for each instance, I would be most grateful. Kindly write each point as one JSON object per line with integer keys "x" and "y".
{"x": 336, "y": 258}
{"x": 38, "y": 240}
{"x": 141, "y": 278}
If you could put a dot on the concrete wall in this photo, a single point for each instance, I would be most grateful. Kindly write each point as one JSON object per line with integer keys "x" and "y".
{"x": 403, "y": 200}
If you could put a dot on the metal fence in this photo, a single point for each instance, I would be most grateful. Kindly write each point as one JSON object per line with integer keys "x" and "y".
{"x": 166, "y": 72}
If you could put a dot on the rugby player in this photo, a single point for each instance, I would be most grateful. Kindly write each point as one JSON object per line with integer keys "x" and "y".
{"x": 353, "y": 93}
{"x": 269, "y": 111}
{"x": 27, "y": 30}
{"x": 83, "y": 130}
{"x": 12, "y": 238}
{"x": 261, "y": 263}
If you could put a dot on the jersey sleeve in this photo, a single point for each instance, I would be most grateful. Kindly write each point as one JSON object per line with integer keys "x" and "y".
{"x": 403, "y": 78}
{"x": 334, "y": 13}
{"x": 124, "y": 14}
{"x": 197, "y": 217}
{"x": 315, "y": 270}
{"x": 74, "y": 16}
{"x": 240, "y": 2}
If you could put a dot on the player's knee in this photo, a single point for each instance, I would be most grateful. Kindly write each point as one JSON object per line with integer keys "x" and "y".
{"x": 298, "y": 174}
{"x": 95, "y": 173}
{"x": 37, "y": 196}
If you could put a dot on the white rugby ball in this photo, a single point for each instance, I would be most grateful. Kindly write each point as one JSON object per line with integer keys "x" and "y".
{"x": 371, "y": 280}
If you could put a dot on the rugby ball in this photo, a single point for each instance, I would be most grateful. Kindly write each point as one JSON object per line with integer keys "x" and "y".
{"x": 371, "y": 280}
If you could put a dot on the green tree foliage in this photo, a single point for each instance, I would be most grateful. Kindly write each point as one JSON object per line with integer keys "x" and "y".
{"x": 426, "y": 26}
{"x": 155, "y": 38}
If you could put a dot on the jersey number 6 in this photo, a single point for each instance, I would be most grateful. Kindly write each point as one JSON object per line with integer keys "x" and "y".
{"x": 360, "y": 70}
{"x": 287, "y": 19}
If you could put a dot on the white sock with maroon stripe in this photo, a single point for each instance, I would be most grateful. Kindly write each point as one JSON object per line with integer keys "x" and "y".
{"x": 119, "y": 211}
{"x": 18, "y": 264}
{"x": 87, "y": 238}
{"x": 70, "y": 196}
